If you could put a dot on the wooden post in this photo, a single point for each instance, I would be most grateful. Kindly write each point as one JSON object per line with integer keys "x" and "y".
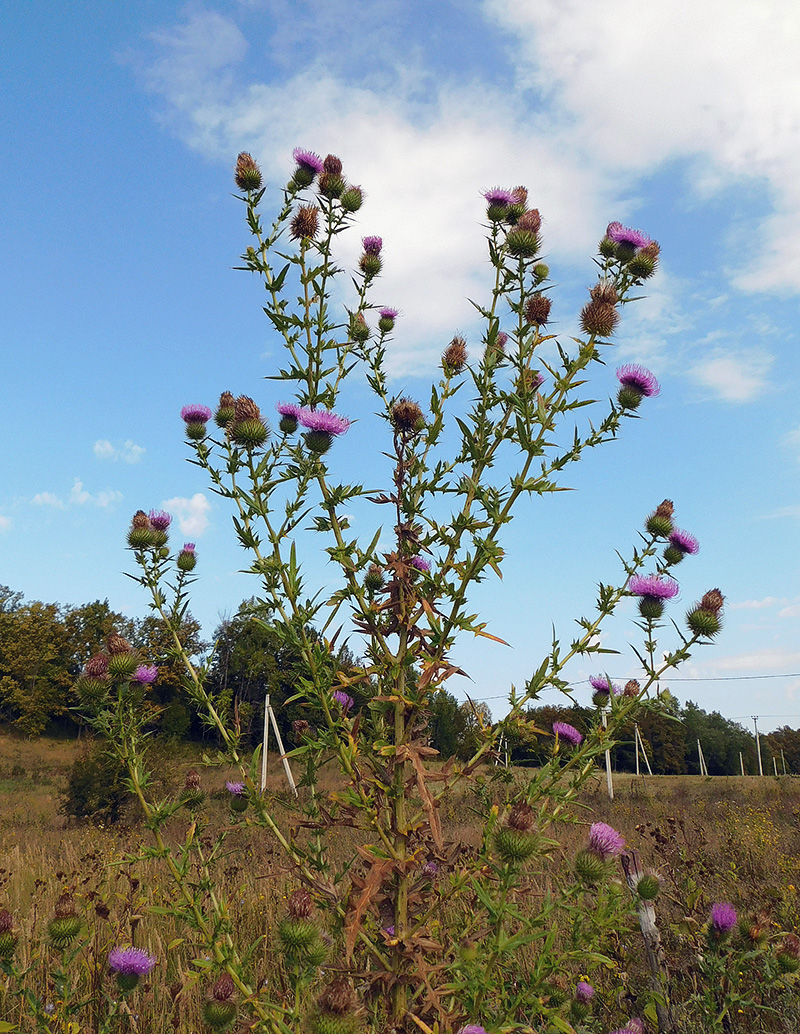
{"x": 265, "y": 745}
{"x": 644, "y": 752}
{"x": 741, "y": 762}
{"x": 286, "y": 766}
{"x": 775, "y": 764}
{"x": 659, "y": 977}
{"x": 636, "y": 746}
{"x": 609, "y": 780}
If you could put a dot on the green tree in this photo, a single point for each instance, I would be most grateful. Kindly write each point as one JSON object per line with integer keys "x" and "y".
{"x": 447, "y": 724}
{"x": 35, "y": 657}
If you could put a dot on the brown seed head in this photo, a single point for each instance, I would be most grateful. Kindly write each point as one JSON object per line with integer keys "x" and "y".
{"x": 791, "y": 945}
{"x": 116, "y": 644}
{"x": 604, "y": 291}
{"x": 97, "y": 666}
{"x": 406, "y": 415}
{"x": 305, "y": 223}
{"x": 632, "y": 688}
{"x": 65, "y": 906}
{"x": 530, "y": 221}
{"x": 651, "y": 250}
{"x": 140, "y": 519}
{"x": 300, "y": 905}
{"x": 6, "y": 921}
{"x": 245, "y": 409}
{"x": 300, "y": 726}
{"x": 599, "y": 318}
{"x": 226, "y": 400}
{"x": 337, "y": 997}
{"x": 223, "y": 989}
{"x": 520, "y": 817}
{"x": 520, "y": 195}
{"x": 192, "y": 779}
{"x": 332, "y": 164}
{"x": 454, "y": 357}
{"x": 712, "y": 600}
{"x": 537, "y": 309}
{"x": 665, "y": 509}
{"x": 247, "y": 174}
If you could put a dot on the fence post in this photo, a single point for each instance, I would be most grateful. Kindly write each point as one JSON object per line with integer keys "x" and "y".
{"x": 659, "y": 976}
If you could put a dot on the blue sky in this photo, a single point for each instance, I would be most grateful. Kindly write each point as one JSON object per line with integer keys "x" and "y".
{"x": 120, "y": 125}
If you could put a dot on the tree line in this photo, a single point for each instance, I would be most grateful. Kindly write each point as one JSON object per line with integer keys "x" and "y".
{"x": 44, "y": 646}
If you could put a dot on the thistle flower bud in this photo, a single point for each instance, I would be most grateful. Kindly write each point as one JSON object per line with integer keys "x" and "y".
{"x": 331, "y": 184}
{"x": 308, "y": 165}
{"x": 632, "y": 689}
{"x": 648, "y": 886}
{"x": 8, "y": 936}
{"x": 541, "y": 271}
{"x": 247, "y": 428}
{"x": 406, "y": 416}
{"x": 498, "y": 202}
{"x": 333, "y": 1012}
{"x": 116, "y": 644}
{"x": 370, "y": 265}
{"x": 789, "y": 954}
{"x": 521, "y": 242}
{"x": 660, "y": 520}
{"x": 537, "y": 309}
{"x": 97, "y": 666}
{"x": 219, "y": 1010}
{"x": 514, "y": 841}
{"x": 607, "y": 248}
{"x": 704, "y": 619}
{"x": 359, "y": 329}
{"x": 192, "y": 796}
{"x": 599, "y": 319}
{"x": 140, "y": 535}
{"x": 187, "y": 558}
{"x": 454, "y": 357}
{"x": 65, "y": 925}
{"x": 247, "y": 174}
{"x": 238, "y": 796}
{"x": 373, "y": 580}
{"x": 123, "y": 665}
{"x": 332, "y": 164}
{"x": 305, "y": 224}
{"x": 352, "y": 199}
{"x": 225, "y": 410}
{"x": 604, "y": 291}
{"x": 590, "y": 868}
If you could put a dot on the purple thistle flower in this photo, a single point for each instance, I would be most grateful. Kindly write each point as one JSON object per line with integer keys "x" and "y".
{"x": 237, "y": 789}
{"x": 603, "y": 684}
{"x": 307, "y": 160}
{"x": 565, "y": 731}
{"x": 638, "y": 378}
{"x": 323, "y": 420}
{"x": 605, "y": 841}
{"x": 160, "y": 519}
{"x": 130, "y": 962}
{"x": 388, "y": 313}
{"x": 342, "y": 698}
{"x": 389, "y": 931}
{"x": 188, "y": 547}
{"x": 723, "y": 917}
{"x": 196, "y": 414}
{"x": 472, "y": 1028}
{"x": 146, "y": 673}
{"x": 584, "y": 992}
{"x": 372, "y": 245}
{"x": 420, "y": 563}
{"x": 683, "y": 541}
{"x": 430, "y": 869}
{"x": 653, "y": 586}
{"x": 290, "y": 409}
{"x": 498, "y": 196}
{"x": 625, "y": 235}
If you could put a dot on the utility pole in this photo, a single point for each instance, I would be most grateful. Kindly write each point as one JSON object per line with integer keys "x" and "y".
{"x": 758, "y": 744}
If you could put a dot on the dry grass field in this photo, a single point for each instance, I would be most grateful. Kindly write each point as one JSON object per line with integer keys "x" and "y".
{"x": 710, "y": 839}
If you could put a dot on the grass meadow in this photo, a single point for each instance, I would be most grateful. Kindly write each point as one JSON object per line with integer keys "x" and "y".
{"x": 709, "y": 839}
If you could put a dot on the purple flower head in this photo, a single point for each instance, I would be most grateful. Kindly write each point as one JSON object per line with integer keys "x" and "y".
{"x": 584, "y": 992}
{"x": 605, "y": 841}
{"x": 633, "y": 1026}
{"x": 130, "y": 962}
{"x": 342, "y": 698}
{"x": 388, "y": 313}
{"x": 420, "y": 563}
{"x": 307, "y": 160}
{"x": 501, "y": 339}
{"x": 188, "y": 547}
{"x": 723, "y": 917}
{"x": 625, "y": 235}
{"x": 683, "y": 541}
{"x": 146, "y": 673}
{"x": 288, "y": 409}
{"x": 639, "y": 378}
{"x": 498, "y": 196}
{"x": 565, "y": 731}
{"x": 603, "y": 684}
{"x": 389, "y": 931}
{"x": 196, "y": 414}
{"x": 323, "y": 420}
{"x": 237, "y": 789}
{"x": 472, "y": 1028}
{"x": 160, "y": 519}
{"x": 430, "y": 869}
{"x": 372, "y": 245}
{"x": 654, "y": 586}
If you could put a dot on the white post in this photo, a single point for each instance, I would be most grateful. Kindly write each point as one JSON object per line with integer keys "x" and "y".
{"x": 636, "y": 746}
{"x": 609, "y": 780}
{"x": 265, "y": 745}
{"x": 758, "y": 745}
{"x": 783, "y": 760}
{"x": 700, "y": 758}
{"x": 741, "y": 762}
{"x": 775, "y": 764}
{"x": 286, "y": 766}
{"x": 644, "y": 752}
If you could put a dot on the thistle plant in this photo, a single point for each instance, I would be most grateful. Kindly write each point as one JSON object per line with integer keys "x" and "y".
{"x": 412, "y": 932}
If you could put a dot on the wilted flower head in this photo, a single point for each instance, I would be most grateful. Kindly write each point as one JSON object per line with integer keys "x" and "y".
{"x": 639, "y": 378}
{"x": 712, "y": 600}
{"x": 605, "y": 841}
{"x": 344, "y": 700}
{"x": 160, "y": 520}
{"x": 247, "y": 174}
{"x": 625, "y": 235}
{"x": 537, "y": 309}
{"x": 146, "y": 673}
{"x": 406, "y": 416}
{"x": 584, "y": 991}
{"x": 454, "y": 357}
{"x": 604, "y": 291}
{"x": 372, "y": 245}
{"x": 305, "y": 223}
{"x": 130, "y": 961}
{"x": 653, "y": 586}
{"x": 723, "y": 917}
{"x": 565, "y": 731}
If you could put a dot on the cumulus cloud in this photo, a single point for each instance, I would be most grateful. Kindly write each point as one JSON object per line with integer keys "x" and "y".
{"x": 734, "y": 376}
{"x": 192, "y": 513}
{"x": 80, "y": 497}
{"x": 48, "y": 499}
{"x": 761, "y": 661}
{"x": 129, "y": 452}
{"x": 767, "y": 601}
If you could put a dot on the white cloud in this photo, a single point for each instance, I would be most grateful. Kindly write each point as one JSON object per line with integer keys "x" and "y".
{"x": 80, "y": 497}
{"x": 768, "y": 601}
{"x": 48, "y": 499}
{"x": 716, "y": 82}
{"x": 734, "y": 376}
{"x": 792, "y": 441}
{"x": 130, "y": 452}
{"x": 192, "y": 513}
{"x": 760, "y": 661}
{"x": 5, "y": 522}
